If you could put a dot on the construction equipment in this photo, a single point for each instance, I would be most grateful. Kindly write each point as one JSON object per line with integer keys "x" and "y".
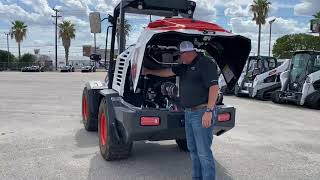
{"x": 129, "y": 106}
{"x": 301, "y": 83}
{"x": 260, "y": 77}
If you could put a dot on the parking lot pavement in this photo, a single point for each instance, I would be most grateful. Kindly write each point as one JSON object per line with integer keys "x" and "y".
{"x": 41, "y": 137}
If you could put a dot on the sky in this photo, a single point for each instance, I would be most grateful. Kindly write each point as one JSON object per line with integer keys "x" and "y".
{"x": 292, "y": 16}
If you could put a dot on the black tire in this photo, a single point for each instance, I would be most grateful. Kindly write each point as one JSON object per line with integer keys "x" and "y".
{"x": 261, "y": 96}
{"x": 276, "y": 97}
{"x": 182, "y": 144}
{"x": 110, "y": 149}
{"x": 314, "y": 101}
{"x": 89, "y": 121}
{"x": 315, "y": 104}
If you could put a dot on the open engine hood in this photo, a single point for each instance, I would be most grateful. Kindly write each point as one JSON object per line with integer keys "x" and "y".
{"x": 228, "y": 50}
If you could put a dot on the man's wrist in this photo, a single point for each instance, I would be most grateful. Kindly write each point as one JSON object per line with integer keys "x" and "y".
{"x": 209, "y": 109}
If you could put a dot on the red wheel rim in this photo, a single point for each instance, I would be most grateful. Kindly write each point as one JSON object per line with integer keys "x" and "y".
{"x": 103, "y": 129}
{"x": 85, "y": 109}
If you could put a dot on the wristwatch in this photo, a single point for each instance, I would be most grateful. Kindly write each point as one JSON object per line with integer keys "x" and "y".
{"x": 209, "y": 110}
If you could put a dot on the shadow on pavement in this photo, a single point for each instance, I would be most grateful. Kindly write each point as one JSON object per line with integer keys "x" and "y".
{"x": 86, "y": 139}
{"x": 149, "y": 160}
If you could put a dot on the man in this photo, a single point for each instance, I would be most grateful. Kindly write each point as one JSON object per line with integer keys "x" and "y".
{"x": 198, "y": 93}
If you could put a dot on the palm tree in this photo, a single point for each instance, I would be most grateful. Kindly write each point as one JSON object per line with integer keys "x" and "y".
{"x": 66, "y": 33}
{"x": 127, "y": 30}
{"x": 260, "y": 10}
{"x": 317, "y": 16}
{"x": 18, "y": 32}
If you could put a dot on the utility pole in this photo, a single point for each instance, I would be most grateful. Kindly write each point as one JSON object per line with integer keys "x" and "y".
{"x": 56, "y": 46}
{"x": 7, "y": 34}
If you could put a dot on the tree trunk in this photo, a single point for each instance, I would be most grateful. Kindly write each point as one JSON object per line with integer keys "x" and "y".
{"x": 66, "y": 49}
{"x": 259, "y": 39}
{"x": 19, "y": 51}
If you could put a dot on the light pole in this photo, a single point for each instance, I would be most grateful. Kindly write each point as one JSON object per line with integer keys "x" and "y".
{"x": 8, "y": 34}
{"x": 270, "y": 22}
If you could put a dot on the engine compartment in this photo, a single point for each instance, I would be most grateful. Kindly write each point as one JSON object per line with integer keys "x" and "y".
{"x": 161, "y": 51}
{"x": 155, "y": 92}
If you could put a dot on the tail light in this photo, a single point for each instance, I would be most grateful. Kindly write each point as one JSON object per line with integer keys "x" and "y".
{"x": 224, "y": 117}
{"x": 149, "y": 121}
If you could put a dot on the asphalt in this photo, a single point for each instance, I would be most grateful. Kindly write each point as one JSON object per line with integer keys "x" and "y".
{"x": 41, "y": 137}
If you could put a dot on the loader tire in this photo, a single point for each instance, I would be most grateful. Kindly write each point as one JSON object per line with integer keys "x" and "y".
{"x": 88, "y": 119}
{"x": 276, "y": 97}
{"x": 313, "y": 101}
{"x": 110, "y": 149}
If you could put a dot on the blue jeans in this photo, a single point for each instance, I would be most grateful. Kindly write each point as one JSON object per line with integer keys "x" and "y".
{"x": 199, "y": 140}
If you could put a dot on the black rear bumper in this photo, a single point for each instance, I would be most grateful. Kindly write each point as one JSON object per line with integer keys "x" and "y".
{"x": 127, "y": 119}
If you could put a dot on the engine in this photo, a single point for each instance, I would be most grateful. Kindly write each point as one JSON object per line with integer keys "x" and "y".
{"x": 163, "y": 93}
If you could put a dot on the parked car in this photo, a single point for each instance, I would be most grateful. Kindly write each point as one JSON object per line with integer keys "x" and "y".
{"x": 88, "y": 68}
{"x": 32, "y": 69}
{"x": 68, "y": 68}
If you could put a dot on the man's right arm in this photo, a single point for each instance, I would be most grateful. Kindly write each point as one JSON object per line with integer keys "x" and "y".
{"x": 162, "y": 72}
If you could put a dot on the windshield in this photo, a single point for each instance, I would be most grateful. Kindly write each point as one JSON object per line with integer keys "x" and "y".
{"x": 315, "y": 64}
{"x": 299, "y": 66}
{"x": 264, "y": 64}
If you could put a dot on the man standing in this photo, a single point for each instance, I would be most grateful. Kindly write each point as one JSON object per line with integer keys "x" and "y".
{"x": 198, "y": 92}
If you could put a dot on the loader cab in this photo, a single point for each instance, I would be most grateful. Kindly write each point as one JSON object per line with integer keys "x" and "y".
{"x": 303, "y": 63}
{"x": 259, "y": 64}
{"x": 222, "y": 46}
{"x": 163, "y": 8}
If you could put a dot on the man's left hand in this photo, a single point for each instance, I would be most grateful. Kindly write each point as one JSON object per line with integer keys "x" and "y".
{"x": 207, "y": 119}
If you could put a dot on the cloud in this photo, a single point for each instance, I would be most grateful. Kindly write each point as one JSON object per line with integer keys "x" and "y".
{"x": 307, "y": 7}
{"x": 281, "y": 27}
{"x": 39, "y": 6}
{"x": 236, "y": 10}
{"x": 237, "y": 2}
{"x": 205, "y": 10}
{"x": 77, "y": 8}
{"x": 12, "y": 12}
{"x": 78, "y": 22}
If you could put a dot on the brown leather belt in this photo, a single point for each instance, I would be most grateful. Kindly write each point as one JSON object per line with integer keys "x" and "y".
{"x": 201, "y": 106}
